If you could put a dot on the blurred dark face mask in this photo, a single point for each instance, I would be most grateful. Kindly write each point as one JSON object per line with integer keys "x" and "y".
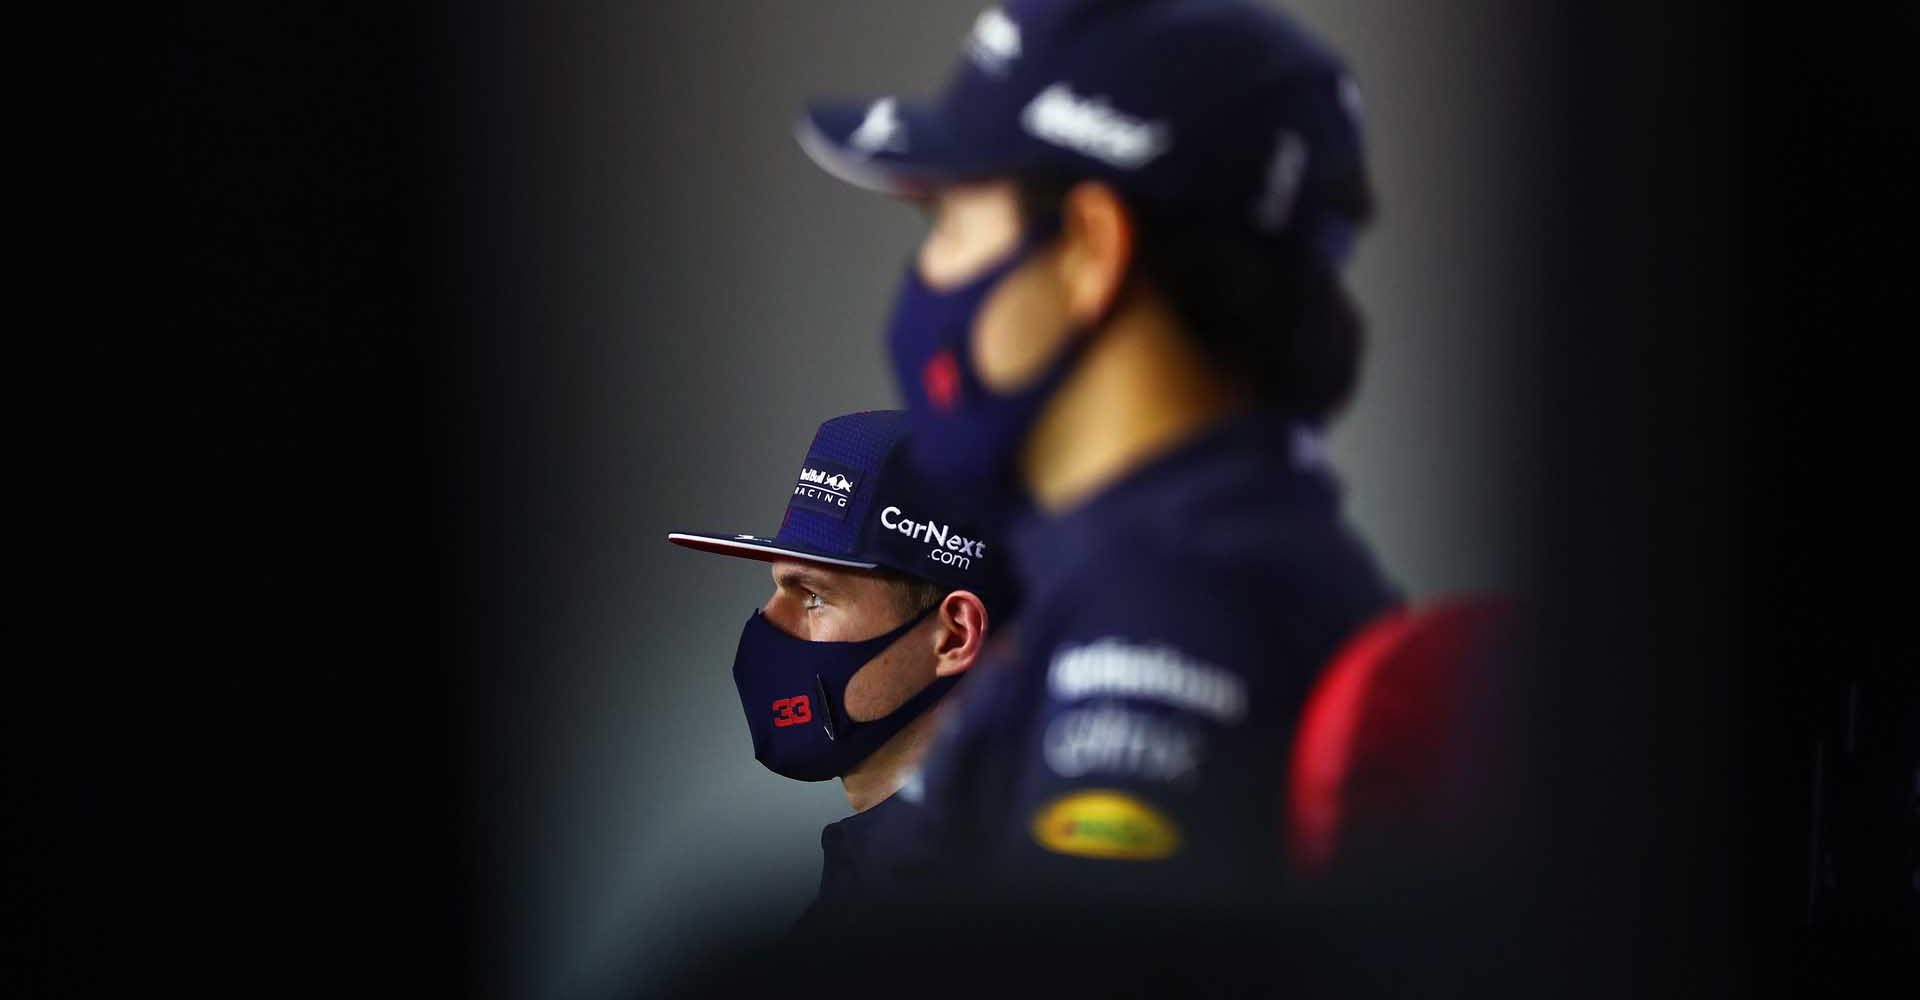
{"x": 965, "y": 436}
{"x": 794, "y": 693}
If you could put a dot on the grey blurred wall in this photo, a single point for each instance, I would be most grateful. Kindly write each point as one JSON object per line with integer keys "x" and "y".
{"x": 692, "y": 297}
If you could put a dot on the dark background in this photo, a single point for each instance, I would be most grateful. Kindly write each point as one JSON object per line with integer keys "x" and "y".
{"x": 297, "y": 530}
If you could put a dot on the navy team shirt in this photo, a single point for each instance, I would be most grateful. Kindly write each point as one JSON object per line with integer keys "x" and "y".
{"x": 867, "y": 858}
{"x": 1128, "y": 736}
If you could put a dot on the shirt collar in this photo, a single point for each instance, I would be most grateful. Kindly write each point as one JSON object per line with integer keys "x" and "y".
{"x": 1256, "y": 454}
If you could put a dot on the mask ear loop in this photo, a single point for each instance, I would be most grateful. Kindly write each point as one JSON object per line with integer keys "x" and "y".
{"x": 828, "y": 722}
{"x": 1047, "y": 228}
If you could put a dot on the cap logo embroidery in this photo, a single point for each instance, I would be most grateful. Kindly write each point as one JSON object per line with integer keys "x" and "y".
{"x": 1350, "y": 97}
{"x": 835, "y": 482}
{"x": 947, "y": 546}
{"x": 881, "y": 130}
{"x": 995, "y": 41}
{"x": 1091, "y": 127}
{"x": 1284, "y": 171}
{"x": 824, "y": 486}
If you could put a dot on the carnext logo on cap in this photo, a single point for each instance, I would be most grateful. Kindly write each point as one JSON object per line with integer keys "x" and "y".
{"x": 948, "y": 547}
{"x": 825, "y": 486}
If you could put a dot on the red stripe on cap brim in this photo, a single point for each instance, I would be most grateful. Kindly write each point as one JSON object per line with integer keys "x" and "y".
{"x": 762, "y": 549}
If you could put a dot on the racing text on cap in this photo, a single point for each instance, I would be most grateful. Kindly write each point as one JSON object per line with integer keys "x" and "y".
{"x": 825, "y": 486}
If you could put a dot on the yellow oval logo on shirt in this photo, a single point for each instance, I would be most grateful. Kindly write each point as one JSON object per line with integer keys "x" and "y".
{"x": 1105, "y": 824}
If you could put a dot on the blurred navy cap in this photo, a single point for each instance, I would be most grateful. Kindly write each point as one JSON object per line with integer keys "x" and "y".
{"x": 858, "y": 503}
{"x": 1221, "y": 111}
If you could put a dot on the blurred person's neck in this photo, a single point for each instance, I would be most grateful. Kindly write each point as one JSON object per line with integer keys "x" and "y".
{"x": 875, "y": 779}
{"x": 1142, "y": 389}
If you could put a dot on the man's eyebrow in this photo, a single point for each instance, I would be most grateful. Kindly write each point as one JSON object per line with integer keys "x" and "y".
{"x": 803, "y": 578}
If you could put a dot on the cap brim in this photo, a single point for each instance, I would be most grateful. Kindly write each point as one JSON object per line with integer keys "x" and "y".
{"x": 763, "y": 549}
{"x": 905, "y": 151}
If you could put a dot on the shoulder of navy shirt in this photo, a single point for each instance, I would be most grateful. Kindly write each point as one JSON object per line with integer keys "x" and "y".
{"x": 868, "y": 859}
{"x": 1238, "y": 529}
{"x": 1174, "y": 624}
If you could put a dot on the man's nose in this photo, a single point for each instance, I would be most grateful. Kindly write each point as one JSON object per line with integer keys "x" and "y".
{"x": 782, "y": 613}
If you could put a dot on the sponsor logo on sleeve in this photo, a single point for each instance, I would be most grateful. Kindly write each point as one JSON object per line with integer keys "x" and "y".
{"x": 825, "y": 486}
{"x": 1104, "y": 824}
{"x": 1110, "y": 739}
{"x": 1155, "y": 673}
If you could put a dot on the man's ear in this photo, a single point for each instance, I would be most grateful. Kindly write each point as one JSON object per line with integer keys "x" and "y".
{"x": 1096, "y": 249}
{"x": 960, "y": 634}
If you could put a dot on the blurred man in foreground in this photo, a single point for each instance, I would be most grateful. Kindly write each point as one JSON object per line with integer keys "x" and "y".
{"x": 1127, "y": 323}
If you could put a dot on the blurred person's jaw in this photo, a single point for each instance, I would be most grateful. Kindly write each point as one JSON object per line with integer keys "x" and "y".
{"x": 1142, "y": 386}
{"x": 821, "y": 604}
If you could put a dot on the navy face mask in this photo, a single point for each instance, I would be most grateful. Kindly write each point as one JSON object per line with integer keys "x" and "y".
{"x": 965, "y": 436}
{"x": 794, "y": 692}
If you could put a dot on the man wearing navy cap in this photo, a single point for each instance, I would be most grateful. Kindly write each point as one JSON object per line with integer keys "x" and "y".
{"x": 883, "y": 592}
{"x": 1127, "y": 322}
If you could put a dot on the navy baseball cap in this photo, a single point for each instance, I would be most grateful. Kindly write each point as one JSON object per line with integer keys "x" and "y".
{"x": 858, "y": 503}
{"x": 1223, "y": 111}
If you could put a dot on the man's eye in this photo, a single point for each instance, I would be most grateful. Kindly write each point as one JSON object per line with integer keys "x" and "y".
{"x": 813, "y": 601}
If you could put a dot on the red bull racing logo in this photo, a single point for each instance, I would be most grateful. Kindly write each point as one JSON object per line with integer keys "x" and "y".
{"x": 824, "y": 486}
